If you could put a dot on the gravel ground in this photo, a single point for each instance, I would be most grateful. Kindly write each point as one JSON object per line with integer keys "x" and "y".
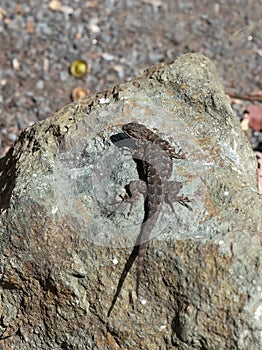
{"x": 118, "y": 39}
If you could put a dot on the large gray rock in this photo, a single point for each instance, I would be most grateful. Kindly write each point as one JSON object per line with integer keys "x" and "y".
{"x": 65, "y": 243}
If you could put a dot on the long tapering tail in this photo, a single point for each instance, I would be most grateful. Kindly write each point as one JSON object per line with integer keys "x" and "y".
{"x": 140, "y": 264}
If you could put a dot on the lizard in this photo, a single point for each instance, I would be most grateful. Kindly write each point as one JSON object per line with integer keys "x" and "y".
{"x": 156, "y": 156}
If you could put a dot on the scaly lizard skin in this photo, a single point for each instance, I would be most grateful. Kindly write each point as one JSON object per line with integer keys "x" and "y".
{"x": 156, "y": 156}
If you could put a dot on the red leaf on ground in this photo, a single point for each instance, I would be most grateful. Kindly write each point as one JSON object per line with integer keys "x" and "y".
{"x": 255, "y": 116}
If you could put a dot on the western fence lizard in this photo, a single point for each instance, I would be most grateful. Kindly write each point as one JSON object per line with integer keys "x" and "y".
{"x": 156, "y": 156}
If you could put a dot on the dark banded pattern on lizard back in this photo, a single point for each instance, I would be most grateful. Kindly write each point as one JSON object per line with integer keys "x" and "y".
{"x": 156, "y": 156}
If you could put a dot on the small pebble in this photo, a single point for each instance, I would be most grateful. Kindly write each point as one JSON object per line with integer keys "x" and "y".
{"x": 40, "y": 85}
{"x": 63, "y": 75}
{"x": 12, "y": 137}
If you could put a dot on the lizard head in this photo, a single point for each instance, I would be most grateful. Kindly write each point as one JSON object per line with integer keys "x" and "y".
{"x": 138, "y": 131}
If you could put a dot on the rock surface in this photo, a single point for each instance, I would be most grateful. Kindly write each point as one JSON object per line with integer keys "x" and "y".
{"x": 61, "y": 232}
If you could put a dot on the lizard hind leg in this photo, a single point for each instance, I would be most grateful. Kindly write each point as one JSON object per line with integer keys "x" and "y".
{"x": 171, "y": 192}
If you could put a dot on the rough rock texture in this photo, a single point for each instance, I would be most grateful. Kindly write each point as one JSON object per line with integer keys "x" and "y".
{"x": 61, "y": 231}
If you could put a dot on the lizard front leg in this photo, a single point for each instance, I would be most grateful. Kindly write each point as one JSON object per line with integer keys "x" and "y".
{"x": 136, "y": 189}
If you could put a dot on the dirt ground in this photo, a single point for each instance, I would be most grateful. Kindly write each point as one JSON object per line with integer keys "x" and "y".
{"x": 118, "y": 39}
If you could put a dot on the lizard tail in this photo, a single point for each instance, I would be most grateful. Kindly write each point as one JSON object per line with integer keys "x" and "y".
{"x": 140, "y": 265}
